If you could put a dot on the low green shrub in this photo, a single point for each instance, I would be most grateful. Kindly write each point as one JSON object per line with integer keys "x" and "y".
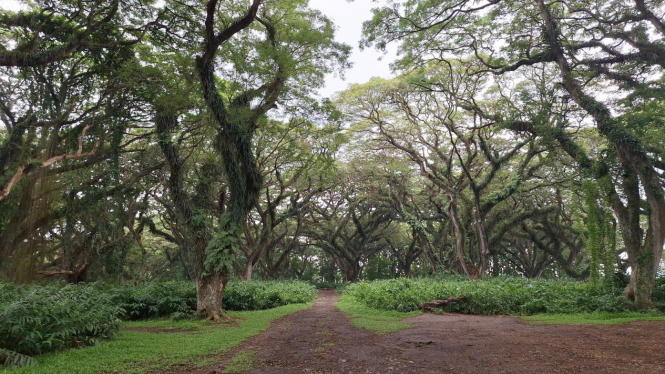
{"x": 659, "y": 289}
{"x": 491, "y": 296}
{"x": 326, "y": 285}
{"x": 177, "y": 299}
{"x": 35, "y": 319}
{"x": 256, "y": 295}
{"x": 155, "y": 299}
{"x": 11, "y": 358}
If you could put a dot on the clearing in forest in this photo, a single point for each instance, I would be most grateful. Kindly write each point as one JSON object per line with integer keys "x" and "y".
{"x": 321, "y": 339}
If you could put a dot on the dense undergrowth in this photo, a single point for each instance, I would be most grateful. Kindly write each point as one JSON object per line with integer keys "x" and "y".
{"x": 659, "y": 291}
{"x": 39, "y": 319}
{"x": 35, "y": 319}
{"x": 178, "y": 299}
{"x": 517, "y": 296}
{"x": 266, "y": 295}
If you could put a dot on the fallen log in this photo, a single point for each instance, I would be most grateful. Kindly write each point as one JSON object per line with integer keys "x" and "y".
{"x": 72, "y": 276}
{"x": 427, "y": 307}
{"x": 50, "y": 273}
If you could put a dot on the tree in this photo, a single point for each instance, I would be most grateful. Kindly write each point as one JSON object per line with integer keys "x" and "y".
{"x": 588, "y": 45}
{"x": 288, "y": 58}
{"x": 347, "y": 227}
{"x": 294, "y": 159}
{"x": 405, "y": 250}
{"x": 52, "y": 31}
{"x": 452, "y": 151}
{"x": 530, "y": 243}
{"x": 393, "y": 185}
{"x": 66, "y": 111}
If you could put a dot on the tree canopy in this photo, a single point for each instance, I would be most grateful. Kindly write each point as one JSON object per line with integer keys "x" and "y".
{"x": 185, "y": 140}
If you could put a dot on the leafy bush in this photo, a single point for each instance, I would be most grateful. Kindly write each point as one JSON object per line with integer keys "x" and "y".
{"x": 491, "y": 296}
{"x": 156, "y": 299}
{"x": 659, "y": 289}
{"x": 37, "y": 319}
{"x": 326, "y": 285}
{"x": 178, "y": 299}
{"x": 11, "y": 358}
{"x": 264, "y": 295}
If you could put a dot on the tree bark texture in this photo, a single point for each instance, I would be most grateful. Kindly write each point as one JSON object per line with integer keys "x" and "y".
{"x": 209, "y": 294}
{"x": 427, "y": 307}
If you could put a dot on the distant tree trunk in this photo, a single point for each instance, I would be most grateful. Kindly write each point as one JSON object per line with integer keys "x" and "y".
{"x": 485, "y": 254}
{"x": 432, "y": 259}
{"x": 459, "y": 238}
{"x": 407, "y": 269}
{"x": 496, "y": 270}
{"x": 246, "y": 276}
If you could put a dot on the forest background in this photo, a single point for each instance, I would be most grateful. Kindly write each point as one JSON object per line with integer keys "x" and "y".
{"x": 173, "y": 140}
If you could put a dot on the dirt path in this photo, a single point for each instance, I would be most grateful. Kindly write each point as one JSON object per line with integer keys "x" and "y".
{"x": 322, "y": 340}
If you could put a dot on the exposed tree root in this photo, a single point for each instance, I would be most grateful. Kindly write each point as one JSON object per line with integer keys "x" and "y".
{"x": 219, "y": 317}
{"x": 427, "y": 307}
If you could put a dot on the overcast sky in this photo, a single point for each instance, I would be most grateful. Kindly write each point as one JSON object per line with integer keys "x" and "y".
{"x": 348, "y": 18}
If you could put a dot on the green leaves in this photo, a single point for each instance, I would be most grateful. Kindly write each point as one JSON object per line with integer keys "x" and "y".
{"x": 11, "y": 358}
{"x": 223, "y": 247}
{"x": 265, "y": 295}
{"x": 155, "y": 299}
{"x": 37, "y": 319}
{"x": 492, "y": 296}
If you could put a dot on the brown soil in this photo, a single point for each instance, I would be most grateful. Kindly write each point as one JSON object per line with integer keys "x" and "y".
{"x": 322, "y": 340}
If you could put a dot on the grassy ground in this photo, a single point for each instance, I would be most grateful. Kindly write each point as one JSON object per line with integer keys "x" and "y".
{"x": 381, "y": 321}
{"x": 592, "y": 318}
{"x": 240, "y": 363}
{"x": 138, "y": 352}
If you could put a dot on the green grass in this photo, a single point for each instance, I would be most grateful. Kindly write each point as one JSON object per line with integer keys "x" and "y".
{"x": 380, "y": 321}
{"x": 592, "y": 318}
{"x": 138, "y": 352}
{"x": 240, "y": 363}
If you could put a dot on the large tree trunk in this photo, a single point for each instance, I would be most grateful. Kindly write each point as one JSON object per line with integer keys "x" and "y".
{"x": 641, "y": 283}
{"x": 642, "y": 273}
{"x": 350, "y": 271}
{"x": 209, "y": 294}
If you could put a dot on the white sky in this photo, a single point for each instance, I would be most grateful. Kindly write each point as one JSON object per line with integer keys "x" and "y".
{"x": 9, "y": 5}
{"x": 348, "y": 17}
